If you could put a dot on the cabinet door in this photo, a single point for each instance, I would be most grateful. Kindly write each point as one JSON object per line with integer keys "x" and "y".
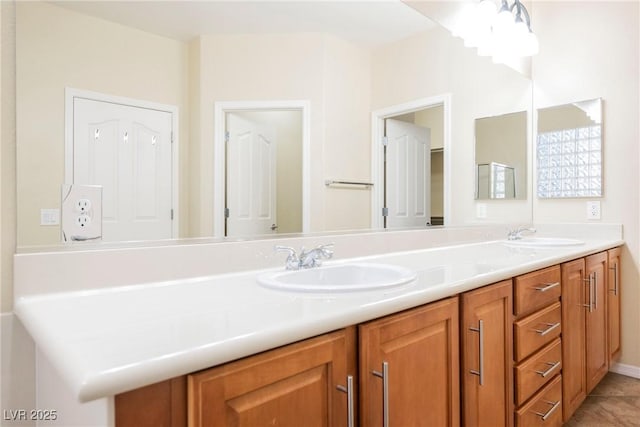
{"x": 613, "y": 304}
{"x": 596, "y": 327}
{"x": 574, "y": 297}
{"x": 296, "y": 385}
{"x": 417, "y": 354}
{"x": 487, "y": 356}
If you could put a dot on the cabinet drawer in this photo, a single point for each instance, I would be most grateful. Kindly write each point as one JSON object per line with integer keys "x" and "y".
{"x": 536, "y": 290}
{"x": 536, "y": 330}
{"x": 537, "y": 371}
{"x": 545, "y": 409}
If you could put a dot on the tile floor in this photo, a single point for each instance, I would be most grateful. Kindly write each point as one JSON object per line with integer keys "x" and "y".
{"x": 615, "y": 402}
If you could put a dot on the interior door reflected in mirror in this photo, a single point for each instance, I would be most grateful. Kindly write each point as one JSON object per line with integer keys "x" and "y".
{"x": 501, "y": 156}
{"x": 569, "y": 150}
{"x": 264, "y": 172}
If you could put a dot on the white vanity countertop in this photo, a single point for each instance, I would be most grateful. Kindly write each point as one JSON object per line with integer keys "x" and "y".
{"x": 107, "y": 341}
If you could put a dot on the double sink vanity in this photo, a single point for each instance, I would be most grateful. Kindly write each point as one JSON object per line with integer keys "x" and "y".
{"x": 487, "y": 332}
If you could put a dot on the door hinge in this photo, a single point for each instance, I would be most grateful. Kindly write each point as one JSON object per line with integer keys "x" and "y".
{"x": 226, "y": 136}
{"x": 171, "y": 214}
{"x": 385, "y": 141}
{"x": 385, "y": 211}
{"x": 226, "y": 212}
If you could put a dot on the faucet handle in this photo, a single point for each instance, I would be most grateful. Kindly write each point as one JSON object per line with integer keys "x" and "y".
{"x": 326, "y": 250}
{"x": 293, "y": 261}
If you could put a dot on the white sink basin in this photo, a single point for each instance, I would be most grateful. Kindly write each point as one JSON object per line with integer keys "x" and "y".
{"x": 544, "y": 242}
{"x": 338, "y": 278}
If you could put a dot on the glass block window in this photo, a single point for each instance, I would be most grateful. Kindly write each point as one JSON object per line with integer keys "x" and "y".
{"x": 570, "y": 162}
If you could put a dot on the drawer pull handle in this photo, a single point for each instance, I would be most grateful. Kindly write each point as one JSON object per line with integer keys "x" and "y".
{"x": 551, "y": 327}
{"x": 552, "y": 367}
{"x": 480, "y": 371}
{"x": 547, "y": 286}
{"x": 615, "y": 279}
{"x": 349, "y": 390}
{"x": 554, "y": 406}
{"x": 385, "y": 392}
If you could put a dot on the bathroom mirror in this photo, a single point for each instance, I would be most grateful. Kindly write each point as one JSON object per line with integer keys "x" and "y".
{"x": 569, "y": 150}
{"x": 501, "y": 156}
{"x": 338, "y": 56}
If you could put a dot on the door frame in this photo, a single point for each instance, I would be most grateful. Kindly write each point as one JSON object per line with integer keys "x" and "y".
{"x": 221, "y": 108}
{"x": 70, "y": 94}
{"x": 377, "y": 159}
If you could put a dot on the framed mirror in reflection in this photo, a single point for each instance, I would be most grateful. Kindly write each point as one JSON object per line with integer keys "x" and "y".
{"x": 501, "y": 156}
{"x": 193, "y": 55}
{"x": 569, "y": 150}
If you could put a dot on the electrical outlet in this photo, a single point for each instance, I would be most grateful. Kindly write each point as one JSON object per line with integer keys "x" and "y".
{"x": 81, "y": 213}
{"x": 481, "y": 210}
{"x": 593, "y": 209}
{"x": 83, "y": 205}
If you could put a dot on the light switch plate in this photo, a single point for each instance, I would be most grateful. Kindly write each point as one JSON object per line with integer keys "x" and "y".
{"x": 81, "y": 213}
{"x": 593, "y": 209}
{"x": 49, "y": 216}
{"x": 481, "y": 210}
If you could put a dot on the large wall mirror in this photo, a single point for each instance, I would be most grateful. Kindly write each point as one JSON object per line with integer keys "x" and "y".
{"x": 345, "y": 60}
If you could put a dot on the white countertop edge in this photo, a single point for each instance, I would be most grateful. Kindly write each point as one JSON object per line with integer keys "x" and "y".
{"x": 88, "y": 383}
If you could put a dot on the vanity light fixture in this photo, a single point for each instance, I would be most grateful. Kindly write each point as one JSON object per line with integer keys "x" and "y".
{"x": 502, "y": 33}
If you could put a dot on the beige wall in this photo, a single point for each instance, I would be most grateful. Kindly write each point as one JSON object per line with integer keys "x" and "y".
{"x": 591, "y": 50}
{"x": 59, "y": 48}
{"x": 434, "y": 63}
{"x": 433, "y": 118}
{"x": 567, "y": 116}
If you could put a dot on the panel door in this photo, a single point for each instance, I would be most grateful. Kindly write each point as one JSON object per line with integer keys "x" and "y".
{"x": 613, "y": 304}
{"x": 596, "y": 323}
{"x": 487, "y": 356}
{"x": 251, "y": 177}
{"x": 407, "y": 174}
{"x": 293, "y": 386}
{"x": 128, "y": 151}
{"x": 574, "y": 358}
{"x": 420, "y": 350}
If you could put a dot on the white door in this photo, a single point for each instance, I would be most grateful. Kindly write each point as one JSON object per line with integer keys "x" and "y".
{"x": 251, "y": 177}
{"x": 407, "y": 174}
{"x": 128, "y": 151}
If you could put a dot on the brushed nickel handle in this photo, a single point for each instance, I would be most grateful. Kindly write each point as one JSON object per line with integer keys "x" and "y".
{"x": 615, "y": 279}
{"x": 589, "y": 280}
{"x": 551, "y": 327}
{"x": 554, "y": 406}
{"x": 385, "y": 392}
{"x": 349, "y": 390}
{"x": 480, "y": 371}
{"x": 552, "y": 367}
{"x": 595, "y": 290}
{"x": 546, "y": 286}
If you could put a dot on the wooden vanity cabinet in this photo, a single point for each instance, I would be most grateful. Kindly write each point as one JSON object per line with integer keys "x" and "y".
{"x": 302, "y": 384}
{"x": 537, "y": 348}
{"x": 487, "y": 356}
{"x": 409, "y": 369}
{"x": 613, "y": 304}
{"x": 584, "y": 341}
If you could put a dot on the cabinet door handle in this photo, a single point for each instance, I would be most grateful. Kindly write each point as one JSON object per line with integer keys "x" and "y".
{"x": 589, "y": 280}
{"x": 551, "y": 327}
{"x": 385, "y": 392}
{"x": 552, "y": 367}
{"x": 554, "y": 406}
{"x": 349, "y": 390}
{"x": 595, "y": 290}
{"x": 547, "y": 286}
{"x": 615, "y": 279}
{"x": 480, "y": 371}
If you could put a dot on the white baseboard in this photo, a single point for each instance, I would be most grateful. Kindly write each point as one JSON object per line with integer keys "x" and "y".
{"x": 628, "y": 370}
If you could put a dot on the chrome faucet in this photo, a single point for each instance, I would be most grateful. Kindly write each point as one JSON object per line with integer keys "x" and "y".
{"x": 516, "y": 234}
{"x": 306, "y": 259}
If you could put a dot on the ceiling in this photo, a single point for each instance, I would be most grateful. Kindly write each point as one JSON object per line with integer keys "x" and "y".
{"x": 365, "y": 22}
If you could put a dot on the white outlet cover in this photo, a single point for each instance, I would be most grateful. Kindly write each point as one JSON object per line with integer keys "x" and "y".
{"x": 81, "y": 213}
{"x": 481, "y": 210}
{"x": 593, "y": 209}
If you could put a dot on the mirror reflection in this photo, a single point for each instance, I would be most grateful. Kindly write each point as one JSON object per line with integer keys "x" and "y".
{"x": 569, "y": 150}
{"x": 501, "y": 156}
{"x": 344, "y": 59}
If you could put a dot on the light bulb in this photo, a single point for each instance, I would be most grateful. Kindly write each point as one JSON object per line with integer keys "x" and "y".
{"x": 503, "y": 24}
{"x": 530, "y": 46}
{"x": 486, "y": 12}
